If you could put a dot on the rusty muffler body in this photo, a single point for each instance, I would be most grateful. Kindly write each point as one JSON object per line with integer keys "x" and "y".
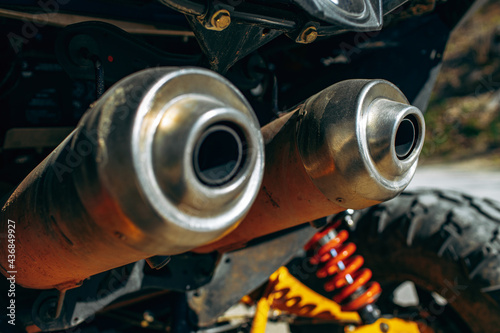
{"x": 167, "y": 160}
{"x": 353, "y": 145}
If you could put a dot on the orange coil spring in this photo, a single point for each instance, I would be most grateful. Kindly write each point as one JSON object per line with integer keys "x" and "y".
{"x": 349, "y": 281}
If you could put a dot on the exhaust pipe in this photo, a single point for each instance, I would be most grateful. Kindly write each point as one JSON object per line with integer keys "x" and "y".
{"x": 353, "y": 145}
{"x": 167, "y": 160}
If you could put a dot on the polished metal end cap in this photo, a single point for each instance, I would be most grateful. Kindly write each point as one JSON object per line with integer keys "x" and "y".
{"x": 204, "y": 166}
{"x": 197, "y": 158}
{"x": 360, "y": 141}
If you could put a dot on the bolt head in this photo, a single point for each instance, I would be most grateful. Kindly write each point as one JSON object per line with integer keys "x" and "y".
{"x": 384, "y": 327}
{"x": 309, "y": 35}
{"x": 148, "y": 316}
{"x": 221, "y": 19}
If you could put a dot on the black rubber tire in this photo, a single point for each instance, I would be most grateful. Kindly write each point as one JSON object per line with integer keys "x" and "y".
{"x": 443, "y": 241}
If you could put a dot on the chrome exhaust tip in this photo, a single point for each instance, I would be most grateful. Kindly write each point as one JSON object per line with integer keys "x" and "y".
{"x": 394, "y": 135}
{"x": 360, "y": 141}
{"x": 212, "y": 172}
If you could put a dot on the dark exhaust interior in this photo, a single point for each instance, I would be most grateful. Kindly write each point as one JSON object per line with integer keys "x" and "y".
{"x": 218, "y": 155}
{"x": 406, "y": 137}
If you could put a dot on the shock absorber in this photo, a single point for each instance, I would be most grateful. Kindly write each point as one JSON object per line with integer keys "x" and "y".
{"x": 345, "y": 276}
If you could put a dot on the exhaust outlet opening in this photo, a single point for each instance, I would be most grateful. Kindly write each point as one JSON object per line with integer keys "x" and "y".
{"x": 406, "y": 137}
{"x": 218, "y": 154}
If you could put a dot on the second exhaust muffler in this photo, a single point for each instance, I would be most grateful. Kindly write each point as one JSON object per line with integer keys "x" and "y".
{"x": 352, "y": 145}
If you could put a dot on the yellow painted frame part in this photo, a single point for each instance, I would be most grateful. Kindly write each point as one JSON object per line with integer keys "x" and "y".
{"x": 285, "y": 293}
{"x": 292, "y": 296}
{"x": 383, "y": 325}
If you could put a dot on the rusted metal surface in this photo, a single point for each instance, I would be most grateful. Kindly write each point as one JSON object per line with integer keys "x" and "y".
{"x": 240, "y": 272}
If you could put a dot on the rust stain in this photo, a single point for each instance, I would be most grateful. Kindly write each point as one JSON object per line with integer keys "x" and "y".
{"x": 274, "y": 203}
{"x": 59, "y": 230}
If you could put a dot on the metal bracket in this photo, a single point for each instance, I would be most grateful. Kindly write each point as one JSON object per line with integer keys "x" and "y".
{"x": 242, "y": 271}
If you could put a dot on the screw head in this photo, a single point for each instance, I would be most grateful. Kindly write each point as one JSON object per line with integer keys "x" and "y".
{"x": 384, "y": 327}
{"x": 221, "y": 19}
{"x": 148, "y": 316}
{"x": 309, "y": 35}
